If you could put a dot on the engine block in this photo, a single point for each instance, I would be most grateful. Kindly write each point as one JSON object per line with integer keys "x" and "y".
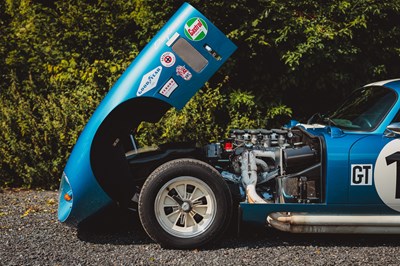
{"x": 279, "y": 165}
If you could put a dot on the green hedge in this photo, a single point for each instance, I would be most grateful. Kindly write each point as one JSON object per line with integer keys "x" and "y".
{"x": 58, "y": 59}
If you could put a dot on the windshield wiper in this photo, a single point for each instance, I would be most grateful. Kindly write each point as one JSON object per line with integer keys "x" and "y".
{"x": 330, "y": 121}
{"x": 315, "y": 118}
{"x": 323, "y": 119}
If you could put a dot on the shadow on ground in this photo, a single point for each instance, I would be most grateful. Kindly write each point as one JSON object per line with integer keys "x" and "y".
{"x": 114, "y": 225}
{"x": 122, "y": 227}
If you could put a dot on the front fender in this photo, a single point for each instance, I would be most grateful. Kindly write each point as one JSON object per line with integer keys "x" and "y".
{"x": 174, "y": 65}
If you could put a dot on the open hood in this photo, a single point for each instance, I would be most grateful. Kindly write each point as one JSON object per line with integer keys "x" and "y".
{"x": 176, "y": 63}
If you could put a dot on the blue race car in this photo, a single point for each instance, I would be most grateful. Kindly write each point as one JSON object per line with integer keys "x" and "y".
{"x": 333, "y": 174}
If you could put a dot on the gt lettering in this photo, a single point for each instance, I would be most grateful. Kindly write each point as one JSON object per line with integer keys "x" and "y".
{"x": 361, "y": 174}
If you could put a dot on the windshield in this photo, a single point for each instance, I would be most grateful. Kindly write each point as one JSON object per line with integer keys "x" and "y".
{"x": 364, "y": 109}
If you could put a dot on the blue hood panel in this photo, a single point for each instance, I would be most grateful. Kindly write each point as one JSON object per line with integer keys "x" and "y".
{"x": 176, "y": 63}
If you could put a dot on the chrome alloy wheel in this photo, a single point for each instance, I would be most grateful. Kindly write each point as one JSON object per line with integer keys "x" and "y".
{"x": 185, "y": 207}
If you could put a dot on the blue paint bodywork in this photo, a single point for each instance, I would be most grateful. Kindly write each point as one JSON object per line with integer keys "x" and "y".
{"x": 88, "y": 197}
{"x": 173, "y": 82}
{"x": 343, "y": 148}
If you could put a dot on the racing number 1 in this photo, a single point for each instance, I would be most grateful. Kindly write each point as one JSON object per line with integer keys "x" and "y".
{"x": 395, "y": 157}
{"x": 387, "y": 174}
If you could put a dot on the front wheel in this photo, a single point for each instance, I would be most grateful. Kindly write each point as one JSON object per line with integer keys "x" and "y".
{"x": 184, "y": 204}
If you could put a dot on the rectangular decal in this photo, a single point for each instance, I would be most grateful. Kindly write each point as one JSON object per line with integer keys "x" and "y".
{"x": 172, "y": 39}
{"x": 190, "y": 55}
{"x": 168, "y": 88}
{"x": 361, "y": 174}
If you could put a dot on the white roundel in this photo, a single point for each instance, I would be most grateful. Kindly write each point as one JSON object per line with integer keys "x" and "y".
{"x": 167, "y": 59}
{"x": 387, "y": 174}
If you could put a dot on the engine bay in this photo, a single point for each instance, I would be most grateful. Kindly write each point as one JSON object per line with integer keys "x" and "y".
{"x": 271, "y": 166}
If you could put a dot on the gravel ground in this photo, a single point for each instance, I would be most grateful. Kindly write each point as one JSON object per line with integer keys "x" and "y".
{"x": 31, "y": 235}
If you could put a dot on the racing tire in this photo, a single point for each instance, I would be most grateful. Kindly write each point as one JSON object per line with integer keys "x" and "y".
{"x": 185, "y": 204}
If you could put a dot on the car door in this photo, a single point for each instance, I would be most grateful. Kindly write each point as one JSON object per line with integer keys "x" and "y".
{"x": 374, "y": 173}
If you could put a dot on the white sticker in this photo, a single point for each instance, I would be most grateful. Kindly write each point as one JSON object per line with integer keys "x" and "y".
{"x": 387, "y": 174}
{"x": 149, "y": 81}
{"x": 172, "y": 39}
{"x": 183, "y": 72}
{"x": 167, "y": 59}
{"x": 168, "y": 88}
{"x": 361, "y": 174}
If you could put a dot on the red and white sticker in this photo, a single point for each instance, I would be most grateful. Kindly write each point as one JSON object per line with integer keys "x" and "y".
{"x": 167, "y": 59}
{"x": 168, "y": 88}
{"x": 183, "y": 72}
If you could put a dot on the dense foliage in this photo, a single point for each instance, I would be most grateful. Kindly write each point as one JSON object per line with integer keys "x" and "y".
{"x": 59, "y": 58}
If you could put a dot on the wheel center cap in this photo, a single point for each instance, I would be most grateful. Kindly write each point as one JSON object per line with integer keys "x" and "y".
{"x": 186, "y": 207}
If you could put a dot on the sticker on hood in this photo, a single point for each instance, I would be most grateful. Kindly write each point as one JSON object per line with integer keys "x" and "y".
{"x": 167, "y": 59}
{"x": 183, "y": 72}
{"x": 196, "y": 29}
{"x": 168, "y": 88}
{"x": 149, "y": 81}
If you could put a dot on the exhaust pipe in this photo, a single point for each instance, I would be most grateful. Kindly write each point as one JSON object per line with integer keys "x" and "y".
{"x": 346, "y": 224}
{"x": 249, "y": 177}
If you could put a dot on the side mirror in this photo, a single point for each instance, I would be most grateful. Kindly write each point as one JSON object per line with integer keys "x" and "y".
{"x": 392, "y": 130}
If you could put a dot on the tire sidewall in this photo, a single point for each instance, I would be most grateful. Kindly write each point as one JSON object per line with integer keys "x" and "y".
{"x": 182, "y": 168}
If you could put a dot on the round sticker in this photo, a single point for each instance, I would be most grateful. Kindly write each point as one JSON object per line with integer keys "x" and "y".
{"x": 387, "y": 174}
{"x": 167, "y": 59}
{"x": 196, "y": 29}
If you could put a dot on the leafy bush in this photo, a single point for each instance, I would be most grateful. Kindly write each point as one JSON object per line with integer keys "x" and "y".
{"x": 59, "y": 58}
{"x": 209, "y": 116}
{"x": 59, "y": 61}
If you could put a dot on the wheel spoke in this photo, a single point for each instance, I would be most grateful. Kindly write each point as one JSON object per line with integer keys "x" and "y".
{"x": 179, "y": 192}
{"x": 195, "y": 207}
{"x": 181, "y": 221}
{"x": 189, "y": 191}
{"x": 193, "y": 193}
{"x": 198, "y": 194}
{"x": 197, "y": 218}
{"x": 199, "y": 201}
{"x": 172, "y": 205}
{"x": 176, "y": 222}
{"x": 201, "y": 210}
{"x": 174, "y": 194}
{"x": 169, "y": 211}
